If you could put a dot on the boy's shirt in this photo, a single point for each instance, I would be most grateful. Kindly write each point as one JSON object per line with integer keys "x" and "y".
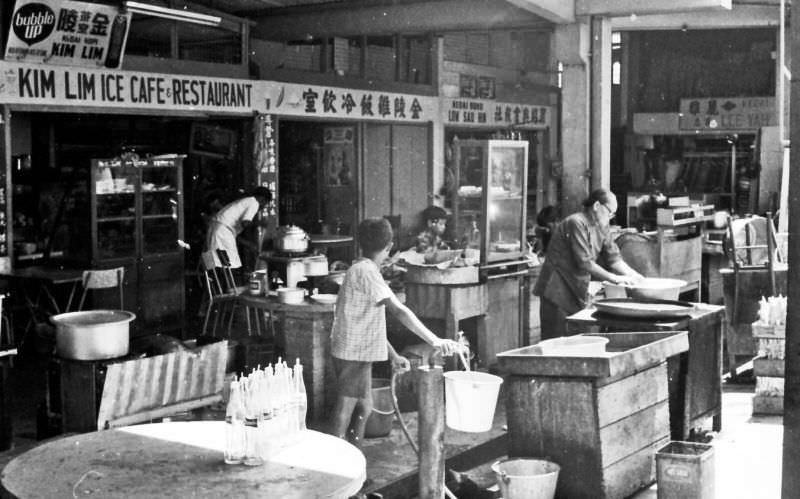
{"x": 359, "y": 324}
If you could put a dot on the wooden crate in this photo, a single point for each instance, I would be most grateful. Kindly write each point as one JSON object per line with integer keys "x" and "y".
{"x": 142, "y": 389}
{"x": 769, "y": 369}
{"x": 604, "y": 436}
{"x": 663, "y": 254}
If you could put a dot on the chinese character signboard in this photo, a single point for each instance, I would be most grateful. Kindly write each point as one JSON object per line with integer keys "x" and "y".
{"x": 727, "y": 113}
{"x": 492, "y": 114}
{"x": 334, "y": 102}
{"x": 67, "y": 33}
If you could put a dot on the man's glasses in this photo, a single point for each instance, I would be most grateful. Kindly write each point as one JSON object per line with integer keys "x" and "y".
{"x": 611, "y": 214}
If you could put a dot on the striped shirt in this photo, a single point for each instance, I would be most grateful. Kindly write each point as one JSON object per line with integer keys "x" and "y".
{"x": 359, "y": 324}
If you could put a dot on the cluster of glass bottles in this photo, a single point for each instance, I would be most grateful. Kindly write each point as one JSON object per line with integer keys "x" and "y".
{"x": 266, "y": 411}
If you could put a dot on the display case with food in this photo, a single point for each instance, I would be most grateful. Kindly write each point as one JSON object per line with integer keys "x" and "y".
{"x": 489, "y": 199}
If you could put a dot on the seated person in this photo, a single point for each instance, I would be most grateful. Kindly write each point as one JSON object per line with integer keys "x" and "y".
{"x": 428, "y": 242}
{"x": 430, "y": 239}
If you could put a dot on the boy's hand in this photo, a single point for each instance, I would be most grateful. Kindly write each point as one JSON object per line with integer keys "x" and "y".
{"x": 400, "y": 364}
{"x": 447, "y": 347}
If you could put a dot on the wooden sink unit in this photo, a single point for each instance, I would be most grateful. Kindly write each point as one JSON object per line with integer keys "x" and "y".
{"x": 601, "y": 418}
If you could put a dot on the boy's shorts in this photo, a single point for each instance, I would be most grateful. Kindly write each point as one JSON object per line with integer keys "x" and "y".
{"x": 353, "y": 378}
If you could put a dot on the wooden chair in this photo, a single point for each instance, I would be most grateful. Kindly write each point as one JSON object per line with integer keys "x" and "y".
{"x": 102, "y": 279}
{"x": 223, "y": 295}
{"x": 752, "y": 243}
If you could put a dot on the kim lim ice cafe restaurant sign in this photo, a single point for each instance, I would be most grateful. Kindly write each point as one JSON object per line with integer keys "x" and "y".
{"x": 38, "y": 84}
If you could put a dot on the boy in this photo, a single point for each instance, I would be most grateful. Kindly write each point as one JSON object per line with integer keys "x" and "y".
{"x": 358, "y": 336}
{"x": 430, "y": 239}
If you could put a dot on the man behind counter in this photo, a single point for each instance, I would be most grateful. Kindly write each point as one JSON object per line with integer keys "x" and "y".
{"x": 581, "y": 249}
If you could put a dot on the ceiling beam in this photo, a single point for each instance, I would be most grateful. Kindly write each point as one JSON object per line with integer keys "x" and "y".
{"x": 378, "y": 19}
{"x": 742, "y": 16}
{"x": 556, "y": 11}
{"x": 614, "y": 8}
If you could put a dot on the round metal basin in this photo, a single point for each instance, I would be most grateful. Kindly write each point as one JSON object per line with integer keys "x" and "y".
{"x": 93, "y": 334}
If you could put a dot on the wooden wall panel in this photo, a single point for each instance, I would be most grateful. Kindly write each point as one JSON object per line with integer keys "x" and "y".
{"x": 377, "y": 160}
{"x": 410, "y": 186}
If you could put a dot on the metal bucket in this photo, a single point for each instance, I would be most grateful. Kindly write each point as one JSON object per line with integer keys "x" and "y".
{"x": 93, "y": 334}
{"x": 379, "y": 422}
{"x": 524, "y": 478}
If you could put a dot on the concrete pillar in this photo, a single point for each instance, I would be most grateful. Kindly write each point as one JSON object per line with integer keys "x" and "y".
{"x": 571, "y": 49}
{"x": 791, "y": 392}
{"x": 600, "y": 103}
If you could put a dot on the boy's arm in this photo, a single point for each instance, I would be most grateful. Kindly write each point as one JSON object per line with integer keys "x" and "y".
{"x": 409, "y": 320}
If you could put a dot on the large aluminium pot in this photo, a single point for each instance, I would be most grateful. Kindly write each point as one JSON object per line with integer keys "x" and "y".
{"x": 291, "y": 239}
{"x": 93, "y": 334}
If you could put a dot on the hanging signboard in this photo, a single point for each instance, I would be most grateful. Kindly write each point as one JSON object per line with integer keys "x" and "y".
{"x": 727, "y": 113}
{"x": 67, "y": 33}
{"x": 334, "y": 102}
{"x": 492, "y": 114}
{"x": 35, "y": 84}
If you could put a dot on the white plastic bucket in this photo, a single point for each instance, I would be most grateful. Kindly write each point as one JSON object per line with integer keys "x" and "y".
{"x": 470, "y": 400}
{"x": 525, "y": 478}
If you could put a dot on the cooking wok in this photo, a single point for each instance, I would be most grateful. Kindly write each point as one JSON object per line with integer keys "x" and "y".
{"x": 644, "y": 308}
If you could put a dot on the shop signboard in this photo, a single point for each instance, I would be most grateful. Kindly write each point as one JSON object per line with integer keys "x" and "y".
{"x": 727, "y": 113}
{"x": 67, "y": 33}
{"x": 35, "y": 84}
{"x": 493, "y": 114}
{"x": 345, "y": 103}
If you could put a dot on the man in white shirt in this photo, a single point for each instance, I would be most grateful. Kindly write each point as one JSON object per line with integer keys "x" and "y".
{"x": 232, "y": 219}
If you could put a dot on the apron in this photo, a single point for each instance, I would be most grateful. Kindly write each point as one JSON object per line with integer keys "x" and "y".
{"x": 222, "y": 237}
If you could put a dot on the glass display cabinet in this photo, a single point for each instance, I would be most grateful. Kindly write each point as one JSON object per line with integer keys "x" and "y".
{"x": 137, "y": 223}
{"x": 489, "y": 201}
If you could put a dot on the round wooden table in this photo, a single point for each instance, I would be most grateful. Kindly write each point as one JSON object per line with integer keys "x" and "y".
{"x": 181, "y": 459}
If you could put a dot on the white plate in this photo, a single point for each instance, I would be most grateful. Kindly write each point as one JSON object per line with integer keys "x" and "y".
{"x": 327, "y": 299}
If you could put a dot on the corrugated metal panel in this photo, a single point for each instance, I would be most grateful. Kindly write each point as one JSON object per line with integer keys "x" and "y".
{"x": 156, "y": 383}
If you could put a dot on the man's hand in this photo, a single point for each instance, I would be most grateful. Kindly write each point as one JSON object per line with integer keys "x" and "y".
{"x": 628, "y": 279}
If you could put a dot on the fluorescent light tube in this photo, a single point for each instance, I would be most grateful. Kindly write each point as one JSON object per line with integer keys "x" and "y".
{"x": 174, "y": 14}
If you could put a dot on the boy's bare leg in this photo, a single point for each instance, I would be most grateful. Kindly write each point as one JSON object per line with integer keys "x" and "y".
{"x": 342, "y": 414}
{"x": 358, "y": 423}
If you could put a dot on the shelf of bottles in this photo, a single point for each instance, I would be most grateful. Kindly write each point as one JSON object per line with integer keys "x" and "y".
{"x": 265, "y": 413}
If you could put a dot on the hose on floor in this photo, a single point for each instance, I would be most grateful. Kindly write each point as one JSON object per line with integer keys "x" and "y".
{"x": 405, "y": 428}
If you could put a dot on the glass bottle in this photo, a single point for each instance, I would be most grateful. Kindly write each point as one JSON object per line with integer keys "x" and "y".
{"x": 234, "y": 427}
{"x": 300, "y": 395}
{"x": 252, "y": 411}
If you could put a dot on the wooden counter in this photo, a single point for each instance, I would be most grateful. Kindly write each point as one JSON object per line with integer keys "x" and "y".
{"x": 695, "y": 377}
{"x": 500, "y": 305}
{"x": 306, "y": 328}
